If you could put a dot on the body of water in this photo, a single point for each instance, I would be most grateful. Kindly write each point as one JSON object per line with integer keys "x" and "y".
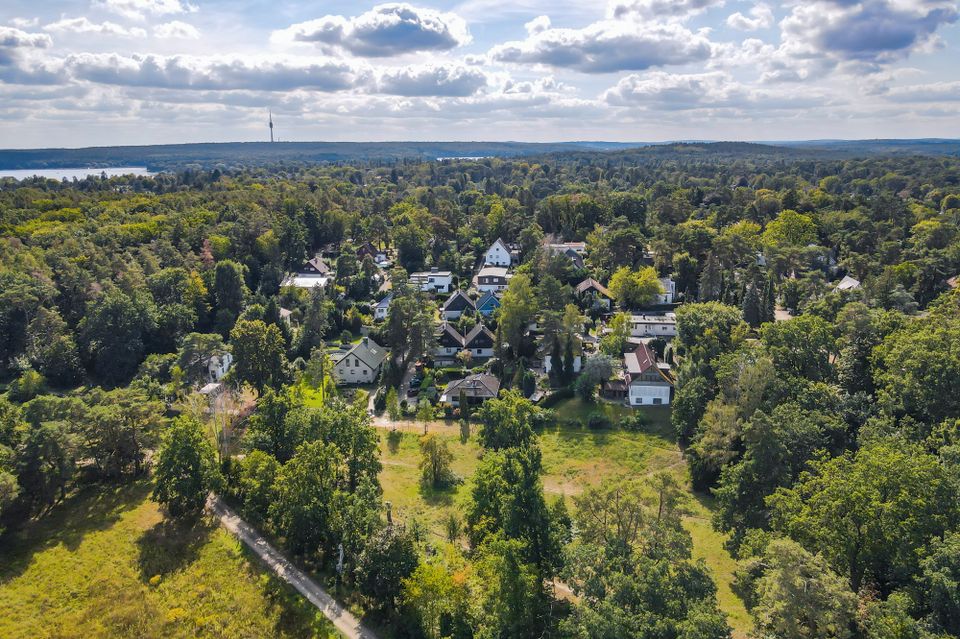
{"x": 69, "y": 174}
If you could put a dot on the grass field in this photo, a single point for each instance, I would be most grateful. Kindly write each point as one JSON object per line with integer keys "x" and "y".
{"x": 105, "y": 564}
{"x": 573, "y": 457}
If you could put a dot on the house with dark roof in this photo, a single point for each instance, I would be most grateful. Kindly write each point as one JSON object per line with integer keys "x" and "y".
{"x": 456, "y": 305}
{"x": 648, "y": 382}
{"x": 383, "y": 307}
{"x": 361, "y": 363}
{"x": 487, "y": 304}
{"x": 315, "y": 266}
{"x": 593, "y": 294}
{"x": 449, "y": 343}
{"x": 480, "y": 342}
{"x": 475, "y": 388}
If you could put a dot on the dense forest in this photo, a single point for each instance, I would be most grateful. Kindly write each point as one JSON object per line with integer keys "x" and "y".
{"x": 821, "y": 421}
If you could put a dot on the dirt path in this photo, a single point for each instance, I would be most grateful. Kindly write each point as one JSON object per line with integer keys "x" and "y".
{"x": 345, "y": 622}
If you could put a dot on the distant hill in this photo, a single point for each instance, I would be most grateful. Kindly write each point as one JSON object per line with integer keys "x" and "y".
{"x": 240, "y": 154}
{"x": 233, "y": 154}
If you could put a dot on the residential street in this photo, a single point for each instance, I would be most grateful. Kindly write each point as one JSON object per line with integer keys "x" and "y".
{"x": 345, "y": 622}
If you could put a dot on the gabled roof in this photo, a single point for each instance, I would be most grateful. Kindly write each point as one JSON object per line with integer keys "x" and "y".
{"x": 477, "y": 330}
{"x": 385, "y": 302}
{"x": 640, "y": 360}
{"x": 486, "y": 299}
{"x": 847, "y": 284}
{"x": 366, "y": 350}
{"x": 477, "y": 385}
{"x": 446, "y": 330}
{"x": 503, "y": 245}
{"x": 318, "y": 264}
{"x": 458, "y": 302}
{"x": 592, "y": 284}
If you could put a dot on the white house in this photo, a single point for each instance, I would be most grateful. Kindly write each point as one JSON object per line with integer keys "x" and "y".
{"x": 498, "y": 254}
{"x": 647, "y": 381}
{"x": 475, "y": 388}
{"x": 218, "y": 365}
{"x": 433, "y": 281}
{"x": 383, "y": 307}
{"x": 492, "y": 279}
{"x": 653, "y": 325}
{"x": 360, "y": 364}
{"x": 669, "y": 291}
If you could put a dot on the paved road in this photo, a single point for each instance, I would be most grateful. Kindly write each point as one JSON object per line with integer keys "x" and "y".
{"x": 343, "y": 619}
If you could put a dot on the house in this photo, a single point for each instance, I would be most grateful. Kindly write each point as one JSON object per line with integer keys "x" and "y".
{"x": 449, "y": 343}
{"x": 433, "y": 281}
{"x": 498, "y": 254}
{"x": 480, "y": 342}
{"x": 592, "y": 292}
{"x": 847, "y": 284}
{"x": 218, "y": 365}
{"x": 383, "y": 307}
{"x": 308, "y": 280}
{"x": 572, "y": 250}
{"x": 664, "y": 325}
{"x": 360, "y": 364}
{"x": 954, "y": 282}
{"x": 476, "y": 389}
{"x": 648, "y": 383}
{"x": 315, "y": 266}
{"x": 487, "y": 304}
{"x": 492, "y": 279}
{"x": 669, "y": 291}
{"x": 286, "y": 316}
{"x": 456, "y": 305}
{"x": 365, "y": 249}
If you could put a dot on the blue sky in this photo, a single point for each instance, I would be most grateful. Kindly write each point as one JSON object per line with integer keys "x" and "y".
{"x": 102, "y": 72}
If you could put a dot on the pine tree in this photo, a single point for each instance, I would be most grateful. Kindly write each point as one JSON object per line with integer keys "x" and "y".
{"x": 711, "y": 282}
{"x": 751, "y": 306}
{"x": 769, "y": 301}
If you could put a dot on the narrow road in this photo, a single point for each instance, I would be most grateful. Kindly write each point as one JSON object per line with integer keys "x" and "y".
{"x": 346, "y": 623}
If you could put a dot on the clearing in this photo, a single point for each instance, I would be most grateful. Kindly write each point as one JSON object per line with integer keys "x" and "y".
{"x": 573, "y": 457}
{"x": 106, "y": 564}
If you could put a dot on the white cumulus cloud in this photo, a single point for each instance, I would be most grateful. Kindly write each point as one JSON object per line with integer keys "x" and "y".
{"x": 385, "y": 30}
{"x": 141, "y": 9}
{"x": 84, "y": 25}
{"x": 760, "y": 17}
{"x": 176, "y": 30}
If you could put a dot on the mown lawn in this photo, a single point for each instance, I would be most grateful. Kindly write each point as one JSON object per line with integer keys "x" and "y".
{"x": 573, "y": 458}
{"x": 106, "y": 564}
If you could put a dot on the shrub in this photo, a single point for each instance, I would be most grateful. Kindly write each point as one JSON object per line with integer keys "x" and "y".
{"x": 638, "y": 420}
{"x": 598, "y": 421}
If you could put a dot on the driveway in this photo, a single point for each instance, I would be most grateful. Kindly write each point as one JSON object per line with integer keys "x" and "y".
{"x": 346, "y": 623}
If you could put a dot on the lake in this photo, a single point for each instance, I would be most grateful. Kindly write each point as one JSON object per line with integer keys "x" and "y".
{"x": 69, "y": 174}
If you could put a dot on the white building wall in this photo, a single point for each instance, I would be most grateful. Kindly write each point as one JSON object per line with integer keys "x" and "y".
{"x": 496, "y": 255}
{"x": 548, "y": 363}
{"x": 641, "y": 394}
{"x": 348, "y": 371}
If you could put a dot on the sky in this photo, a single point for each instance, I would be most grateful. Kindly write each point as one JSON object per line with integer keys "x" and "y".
{"x": 79, "y": 73}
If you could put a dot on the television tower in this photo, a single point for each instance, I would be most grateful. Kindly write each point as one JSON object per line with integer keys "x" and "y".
{"x": 271, "y": 125}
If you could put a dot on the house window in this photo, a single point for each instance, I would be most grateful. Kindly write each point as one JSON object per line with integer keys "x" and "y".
{"x": 657, "y": 400}
{"x": 356, "y": 362}
{"x": 364, "y": 371}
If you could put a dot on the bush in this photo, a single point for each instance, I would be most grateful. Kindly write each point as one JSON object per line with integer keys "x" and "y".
{"x": 598, "y": 421}
{"x": 556, "y": 397}
{"x": 27, "y": 386}
{"x": 637, "y": 421}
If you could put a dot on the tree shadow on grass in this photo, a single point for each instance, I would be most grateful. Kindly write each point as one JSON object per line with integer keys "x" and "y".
{"x": 92, "y": 508}
{"x": 172, "y": 544}
{"x": 438, "y": 496}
